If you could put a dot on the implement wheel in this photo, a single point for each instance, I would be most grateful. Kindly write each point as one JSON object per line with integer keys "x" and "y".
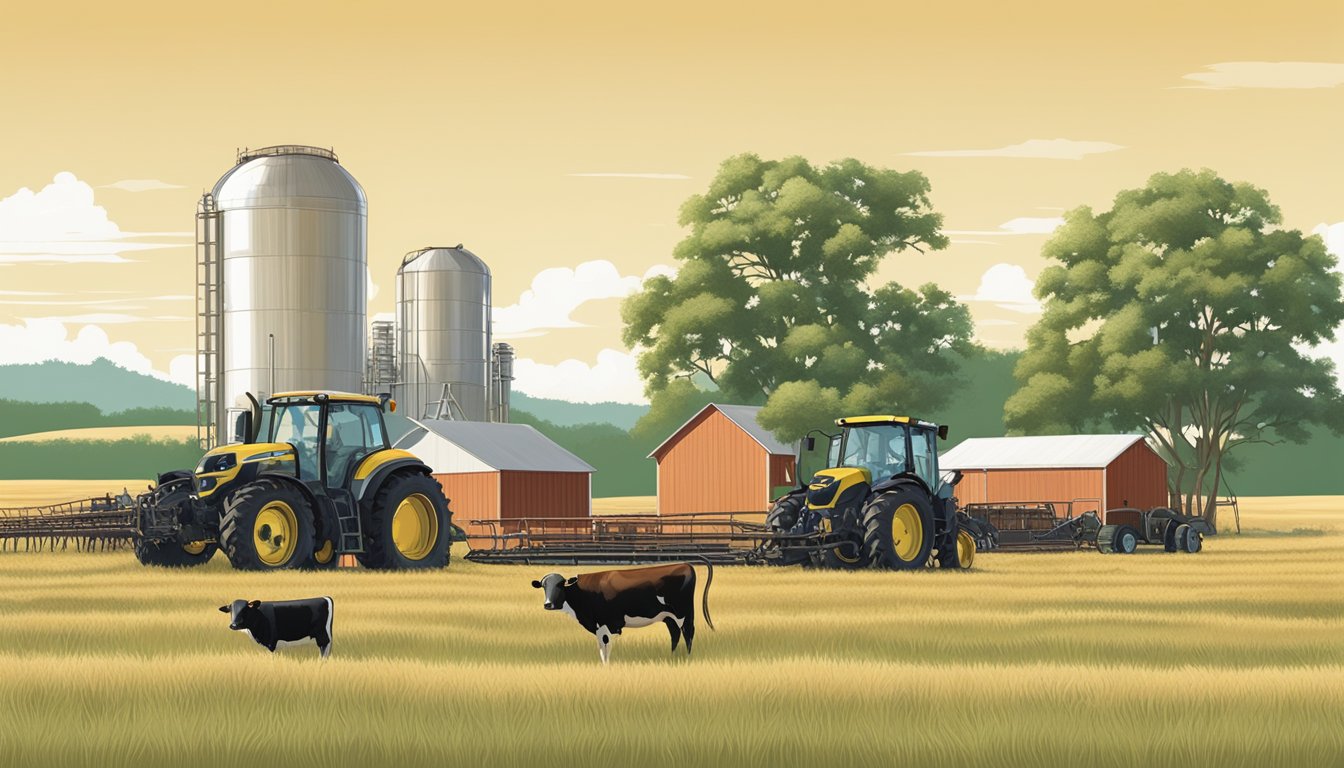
{"x": 267, "y": 525}
{"x": 898, "y": 530}
{"x": 1106, "y": 539}
{"x": 408, "y": 525}
{"x": 171, "y": 554}
{"x": 1126, "y": 540}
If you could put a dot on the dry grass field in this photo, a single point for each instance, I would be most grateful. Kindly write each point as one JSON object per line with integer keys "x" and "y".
{"x": 1233, "y": 657}
{"x": 170, "y": 432}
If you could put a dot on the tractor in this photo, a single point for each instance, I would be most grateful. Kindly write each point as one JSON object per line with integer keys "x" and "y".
{"x": 879, "y": 503}
{"x": 314, "y": 477}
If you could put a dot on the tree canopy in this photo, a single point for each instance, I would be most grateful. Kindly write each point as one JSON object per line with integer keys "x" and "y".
{"x": 773, "y": 300}
{"x": 1186, "y": 312}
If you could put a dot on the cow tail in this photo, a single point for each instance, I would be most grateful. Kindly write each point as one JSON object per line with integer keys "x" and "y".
{"x": 704, "y": 600}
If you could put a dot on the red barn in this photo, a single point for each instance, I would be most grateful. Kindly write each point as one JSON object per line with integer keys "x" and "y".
{"x": 722, "y": 460}
{"x": 1094, "y": 472}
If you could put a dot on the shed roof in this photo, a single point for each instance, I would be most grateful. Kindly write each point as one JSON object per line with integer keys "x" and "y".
{"x": 745, "y": 418}
{"x": 493, "y": 446}
{"x": 1039, "y": 452}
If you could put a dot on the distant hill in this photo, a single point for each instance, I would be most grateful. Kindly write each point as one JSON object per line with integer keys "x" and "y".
{"x": 105, "y": 385}
{"x": 566, "y": 414}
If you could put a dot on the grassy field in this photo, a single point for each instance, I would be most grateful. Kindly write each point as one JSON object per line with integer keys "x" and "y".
{"x": 170, "y": 432}
{"x": 1233, "y": 657}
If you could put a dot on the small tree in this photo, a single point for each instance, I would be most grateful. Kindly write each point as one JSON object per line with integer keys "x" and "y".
{"x": 1183, "y": 312}
{"x": 772, "y": 301}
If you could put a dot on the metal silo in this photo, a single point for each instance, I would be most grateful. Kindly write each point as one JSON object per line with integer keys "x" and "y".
{"x": 443, "y": 334}
{"x": 282, "y": 255}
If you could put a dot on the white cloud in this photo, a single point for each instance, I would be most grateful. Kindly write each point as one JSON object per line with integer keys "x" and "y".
{"x": 1008, "y": 287}
{"x": 665, "y": 176}
{"x": 1268, "y": 74}
{"x": 1022, "y": 225}
{"x": 1041, "y": 149}
{"x": 955, "y": 241}
{"x": 1333, "y": 235}
{"x": 60, "y": 223}
{"x": 614, "y": 378}
{"x": 141, "y": 185}
{"x": 372, "y": 292}
{"x": 40, "y": 340}
{"x": 557, "y": 292}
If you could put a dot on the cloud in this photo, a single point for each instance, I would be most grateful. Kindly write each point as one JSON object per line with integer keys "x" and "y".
{"x": 109, "y": 318}
{"x": 1007, "y": 287}
{"x": 664, "y": 176}
{"x": 1041, "y": 149}
{"x": 1333, "y": 235}
{"x": 557, "y": 292}
{"x": 1022, "y": 225}
{"x": 994, "y": 323}
{"x": 614, "y": 378}
{"x": 1268, "y": 74}
{"x": 40, "y": 340}
{"x": 61, "y": 224}
{"x": 141, "y": 185}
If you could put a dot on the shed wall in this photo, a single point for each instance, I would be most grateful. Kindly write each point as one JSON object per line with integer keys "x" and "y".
{"x": 1137, "y": 478}
{"x": 544, "y": 494}
{"x": 1083, "y": 486}
{"x": 713, "y": 466}
{"x": 471, "y": 496}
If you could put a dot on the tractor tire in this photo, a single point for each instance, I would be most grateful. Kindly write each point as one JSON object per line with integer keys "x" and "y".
{"x": 267, "y": 525}
{"x": 898, "y": 530}
{"x": 965, "y": 549}
{"x": 1106, "y": 539}
{"x": 326, "y": 550}
{"x": 784, "y": 514}
{"x": 1126, "y": 540}
{"x": 172, "y": 555}
{"x": 408, "y": 526}
{"x": 849, "y": 556}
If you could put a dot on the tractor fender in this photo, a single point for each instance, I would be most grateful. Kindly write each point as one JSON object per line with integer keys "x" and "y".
{"x": 380, "y": 468}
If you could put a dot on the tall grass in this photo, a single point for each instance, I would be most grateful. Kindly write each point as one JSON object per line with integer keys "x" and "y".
{"x": 1232, "y": 657}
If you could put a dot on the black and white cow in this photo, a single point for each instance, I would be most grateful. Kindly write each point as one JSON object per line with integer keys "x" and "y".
{"x": 606, "y": 602}
{"x": 287, "y": 622}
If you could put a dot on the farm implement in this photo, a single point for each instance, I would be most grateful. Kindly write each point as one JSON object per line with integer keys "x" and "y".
{"x": 98, "y": 523}
{"x": 1052, "y": 525}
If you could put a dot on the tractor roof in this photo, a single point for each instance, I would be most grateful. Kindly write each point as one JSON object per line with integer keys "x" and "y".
{"x": 854, "y": 421}
{"x": 334, "y": 397}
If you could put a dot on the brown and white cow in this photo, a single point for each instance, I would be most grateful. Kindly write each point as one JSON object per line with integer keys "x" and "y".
{"x": 607, "y": 602}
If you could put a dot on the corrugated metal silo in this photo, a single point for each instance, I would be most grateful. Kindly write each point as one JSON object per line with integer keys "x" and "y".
{"x": 290, "y": 261}
{"x": 443, "y": 334}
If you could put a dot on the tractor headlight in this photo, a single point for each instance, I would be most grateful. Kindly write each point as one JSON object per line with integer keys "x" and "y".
{"x": 221, "y": 462}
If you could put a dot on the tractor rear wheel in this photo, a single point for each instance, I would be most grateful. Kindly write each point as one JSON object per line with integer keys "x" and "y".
{"x": 267, "y": 525}
{"x": 408, "y": 525}
{"x": 898, "y": 530}
{"x": 170, "y": 554}
{"x": 1126, "y": 540}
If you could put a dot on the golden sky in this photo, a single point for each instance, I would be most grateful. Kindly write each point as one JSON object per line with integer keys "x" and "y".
{"x": 474, "y": 125}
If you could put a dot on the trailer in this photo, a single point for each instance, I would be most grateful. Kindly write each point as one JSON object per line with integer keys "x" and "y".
{"x": 1053, "y": 525}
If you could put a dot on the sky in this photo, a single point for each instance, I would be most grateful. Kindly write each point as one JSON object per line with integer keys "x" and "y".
{"x": 557, "y": 142}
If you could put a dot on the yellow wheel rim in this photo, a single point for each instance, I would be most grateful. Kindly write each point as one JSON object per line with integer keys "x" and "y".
{"x": 275, "y": 533}
{"x": 907, "y": 532}
{"x": 324, "y": 554}
{"x": 415, "y": 527}
{"x": 965, "y": 549}
{"x": 842, "y": 557}
{"x": 194, "y": 547}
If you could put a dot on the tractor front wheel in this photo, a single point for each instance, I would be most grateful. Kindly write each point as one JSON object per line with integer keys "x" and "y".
{"x": 170, "y": 554}
{"x": 267, "y": 525}
{"x": 898, "y": 530}
{"x": 408, "y": 525}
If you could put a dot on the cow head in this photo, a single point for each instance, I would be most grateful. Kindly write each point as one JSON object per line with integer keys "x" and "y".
{"x": 243, "y": 615}
{"x": 553, "y": 585}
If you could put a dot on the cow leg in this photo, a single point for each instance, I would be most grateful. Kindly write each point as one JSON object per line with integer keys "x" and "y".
{"x": 604, "y": 644}
{"x": 323, "y": 641}
{"x": 688, "y": 629}
{"x": 673, "y": 630}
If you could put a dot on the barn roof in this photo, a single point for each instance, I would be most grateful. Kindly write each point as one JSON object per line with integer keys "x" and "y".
{"x": 1041, "y": 452}
{"x": 476, "y": 446}
{"x": 745, "y": 418}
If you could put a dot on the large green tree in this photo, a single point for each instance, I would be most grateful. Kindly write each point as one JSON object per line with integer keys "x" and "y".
{"x": 773, "y": 299}
{"x": 1184, "y": 311}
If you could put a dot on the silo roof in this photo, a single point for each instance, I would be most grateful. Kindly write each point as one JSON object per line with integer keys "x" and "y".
{"x": 494, "y": 446}
{"x": 454, "y": 259}
{"x": 1038, "y": 452}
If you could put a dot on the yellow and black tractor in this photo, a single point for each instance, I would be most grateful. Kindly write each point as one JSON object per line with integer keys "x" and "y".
{"x": 879, "y": 503}
{"x": 314, "y": 478}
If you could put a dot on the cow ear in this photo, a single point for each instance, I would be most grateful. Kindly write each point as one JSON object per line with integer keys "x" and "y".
{"x": 536, "y": 584}
{"x": 223, "y": 609}
{"x": 571, "y": 581}
{"x": 254, "y": 604}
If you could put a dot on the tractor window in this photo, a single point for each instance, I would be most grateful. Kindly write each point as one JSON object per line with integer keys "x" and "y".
{"x": 879, "y": 448}
{"x": 353, "y": 432}
{"x": 297, "y": 425}
{"x": 925, "y": 453}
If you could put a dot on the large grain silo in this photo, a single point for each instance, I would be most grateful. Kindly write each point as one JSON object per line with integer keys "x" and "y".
{"x": 282, "y": 280}
{"x": 443, "y": 335}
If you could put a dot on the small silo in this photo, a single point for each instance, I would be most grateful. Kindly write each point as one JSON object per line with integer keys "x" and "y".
{"x": 443, "y": 335}
{"x": 283, "y": 271}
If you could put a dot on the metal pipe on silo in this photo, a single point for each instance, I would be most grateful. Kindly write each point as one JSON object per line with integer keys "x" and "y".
{"x": 502, "y": 381}
{"x": 284, "y": 252}
{"x": 443, "y": 334}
